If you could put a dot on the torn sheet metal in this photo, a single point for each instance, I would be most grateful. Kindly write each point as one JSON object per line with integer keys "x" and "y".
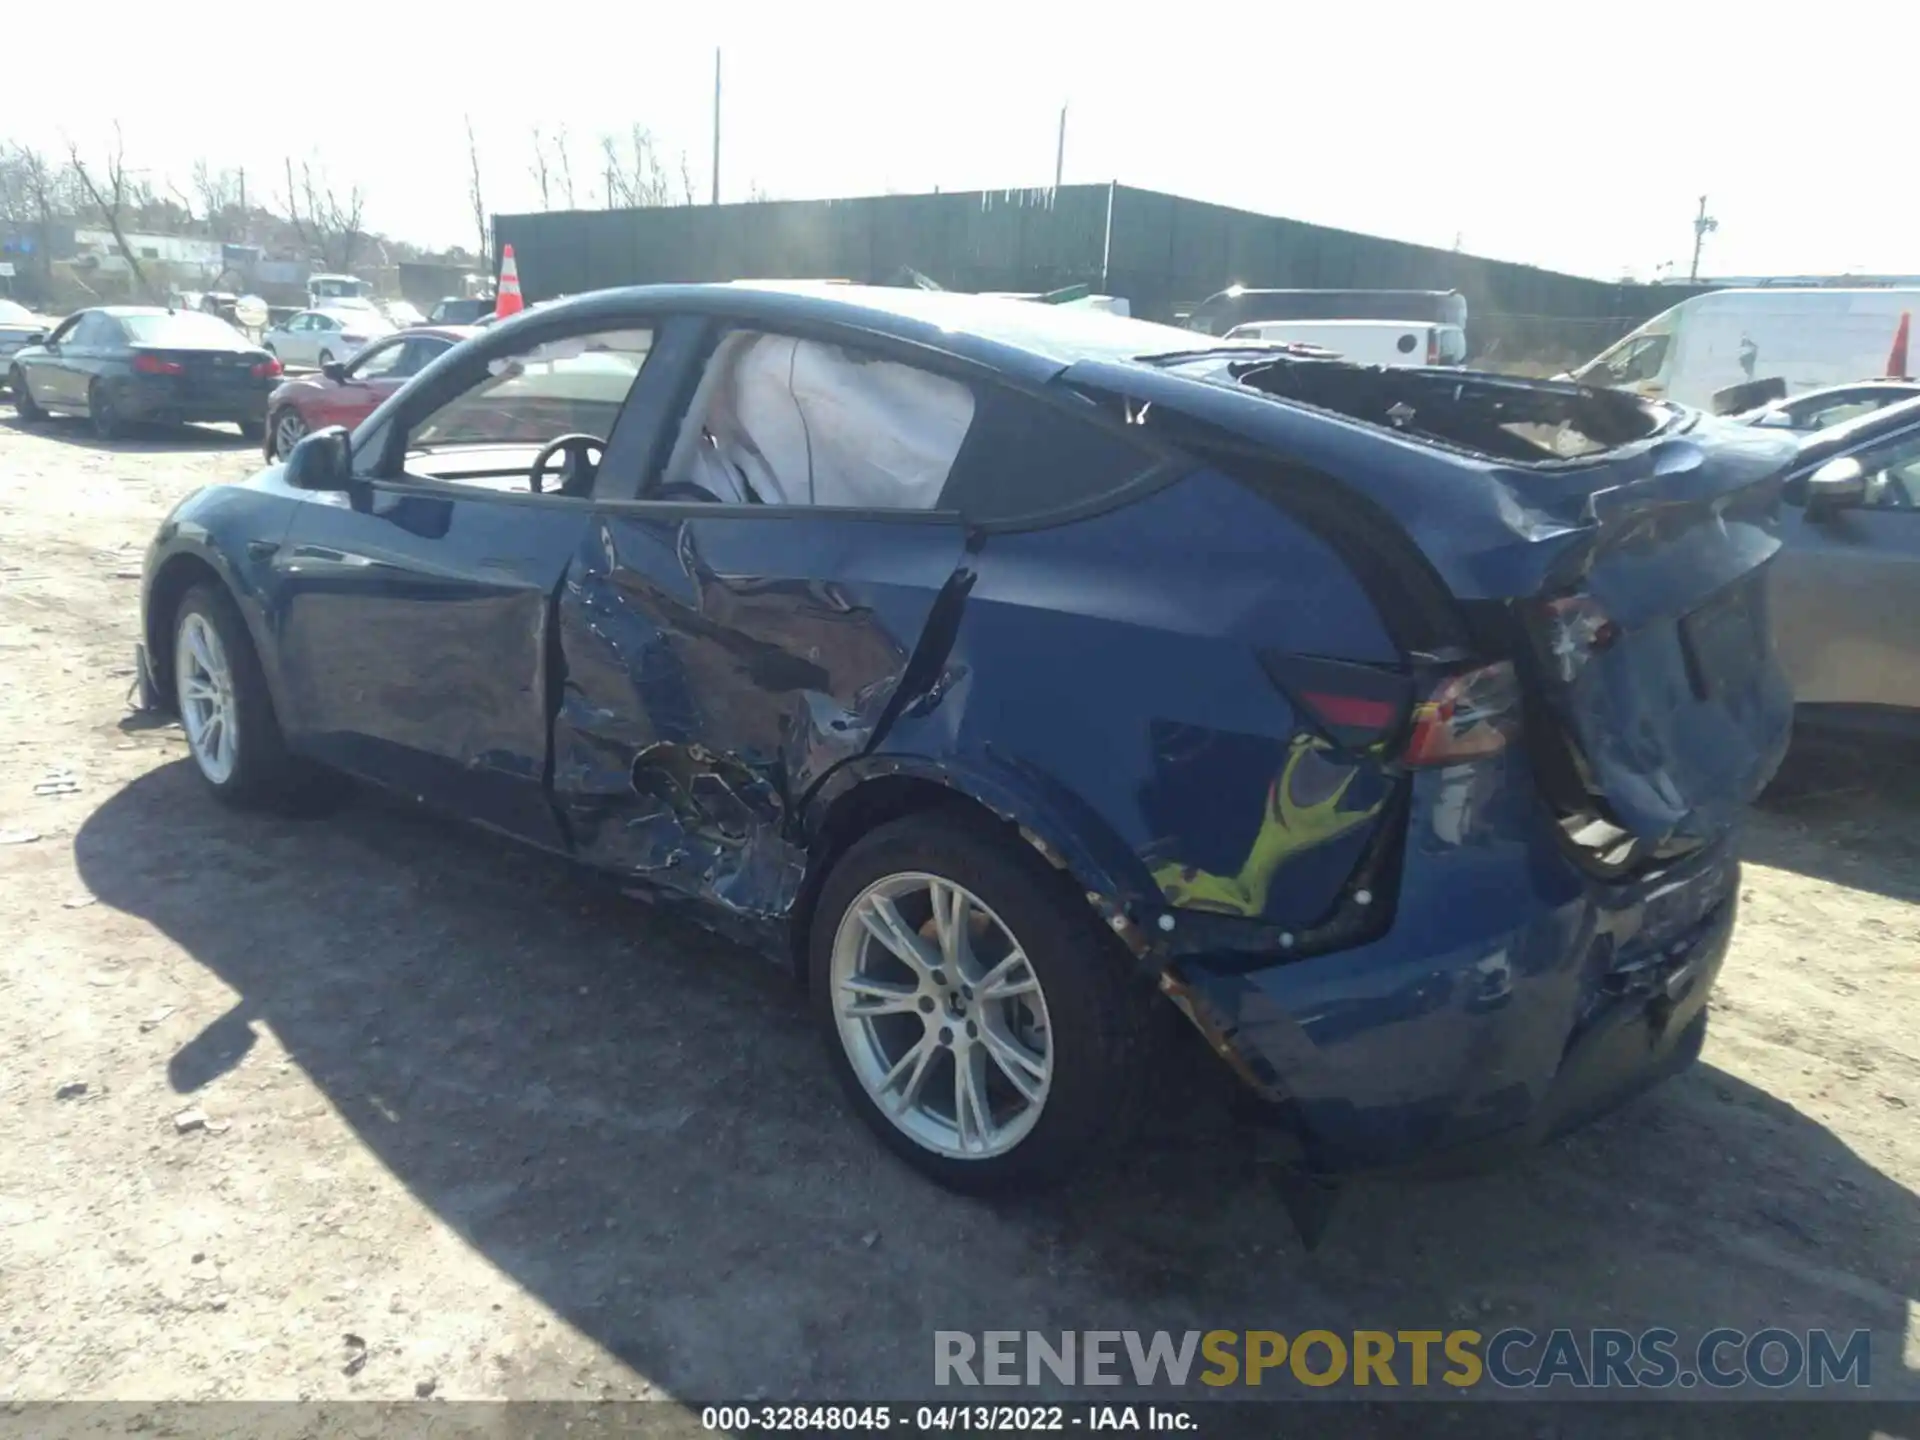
{"x": 715, "y": 673}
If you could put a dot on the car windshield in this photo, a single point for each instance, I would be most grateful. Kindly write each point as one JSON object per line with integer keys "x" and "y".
{"x": 11, "y": 311}
{"x": 188, "y": 328}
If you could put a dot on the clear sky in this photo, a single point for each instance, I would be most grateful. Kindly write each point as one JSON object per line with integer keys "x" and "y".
{"x": 1578, "y": 136}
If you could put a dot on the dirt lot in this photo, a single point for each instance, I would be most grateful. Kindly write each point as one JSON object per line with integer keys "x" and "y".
{"x": 523, "y": 1138}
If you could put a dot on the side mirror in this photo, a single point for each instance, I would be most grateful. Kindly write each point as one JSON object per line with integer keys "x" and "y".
{"x": 1837, "y": 485}
{"x": 335, "y": 372}
{"x": 322, "y": 461}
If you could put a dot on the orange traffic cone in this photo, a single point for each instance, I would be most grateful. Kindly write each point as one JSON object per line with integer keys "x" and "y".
{"x": 508, "y": 301}
{"x": 1897, "y": 358}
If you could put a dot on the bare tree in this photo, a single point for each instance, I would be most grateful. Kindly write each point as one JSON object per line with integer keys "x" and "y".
{"x": 223, "y": 200}
{"x": 327, "y": 223}
{"x": 34, "y": 193}
{"x": 636, "y": 176}
{"x": 564, "y": 148}
{"x": 473, "y": 196}
{"x": 539, "y": 169}
{"x": 112, "y": 199}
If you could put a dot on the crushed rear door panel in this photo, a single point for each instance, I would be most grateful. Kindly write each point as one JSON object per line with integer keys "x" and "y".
{"x": 716, "y": 666}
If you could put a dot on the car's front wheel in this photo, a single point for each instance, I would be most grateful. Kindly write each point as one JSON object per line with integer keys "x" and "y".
{"x": 288, "y": 429}
{"x": 979, "y": 1019}
{"x": 232, "y": 732}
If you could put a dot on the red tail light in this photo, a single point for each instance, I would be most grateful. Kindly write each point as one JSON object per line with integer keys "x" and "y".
{"x": 1465, "y": 717}
{"x": 266, "y": 369}
{"x": 154, "y": 365}
{"x": 1433, "y": 346}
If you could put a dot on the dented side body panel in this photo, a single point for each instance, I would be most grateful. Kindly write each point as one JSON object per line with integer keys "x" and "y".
{"x": 718, "y": 665}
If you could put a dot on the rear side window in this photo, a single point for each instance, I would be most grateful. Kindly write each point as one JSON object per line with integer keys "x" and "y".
{"x": 780, "y": 420}
{"x": 1026, "y": 457}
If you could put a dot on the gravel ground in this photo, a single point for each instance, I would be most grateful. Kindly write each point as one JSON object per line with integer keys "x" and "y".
{"x": 374, "y": 1106}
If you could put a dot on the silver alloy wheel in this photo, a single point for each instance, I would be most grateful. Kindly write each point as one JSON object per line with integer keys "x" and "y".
{"x": 203, "y": 683}
{"x": 941, "y": 1016}
{"x": 288, "y": 432}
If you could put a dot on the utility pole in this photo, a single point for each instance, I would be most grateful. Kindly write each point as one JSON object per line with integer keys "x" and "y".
{"x": 1703, "y": 226}
{"x": 1060, "y": 150}
{"x": 716, "y": 125}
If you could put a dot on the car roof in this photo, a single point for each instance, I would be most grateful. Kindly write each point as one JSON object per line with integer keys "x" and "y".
{"x": 1028, "y": 340}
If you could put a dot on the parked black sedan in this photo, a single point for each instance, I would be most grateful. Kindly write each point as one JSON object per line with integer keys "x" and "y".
{"x": 121, "y": 364}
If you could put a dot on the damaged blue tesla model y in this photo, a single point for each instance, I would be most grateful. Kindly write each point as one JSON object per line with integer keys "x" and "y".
{"x": 1012, "y": 671}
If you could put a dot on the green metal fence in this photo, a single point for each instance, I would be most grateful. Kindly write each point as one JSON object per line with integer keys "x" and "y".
{"x": 1162, "y": 252}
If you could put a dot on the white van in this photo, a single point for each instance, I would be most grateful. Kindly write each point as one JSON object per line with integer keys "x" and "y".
{"x": 1365, "y": 342}
{"x": 1727, "y": 338}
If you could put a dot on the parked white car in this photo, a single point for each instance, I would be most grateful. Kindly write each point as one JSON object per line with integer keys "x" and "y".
{"x": 317, "y": 337}
{"x": 1365, "y": 342}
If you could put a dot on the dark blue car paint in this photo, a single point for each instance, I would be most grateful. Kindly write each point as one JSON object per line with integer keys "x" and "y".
{"x": 688, "y": 697}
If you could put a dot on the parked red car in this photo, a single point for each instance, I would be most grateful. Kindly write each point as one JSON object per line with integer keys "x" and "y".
{"x": 346, "y": 393}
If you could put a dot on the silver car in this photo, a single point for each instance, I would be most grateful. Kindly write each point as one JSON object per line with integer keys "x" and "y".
{"x": 1846, "y": 588}
{"x": 19, "y": 327}
{"x": 1830, "y": 405}
{"x": 318, "y": 337}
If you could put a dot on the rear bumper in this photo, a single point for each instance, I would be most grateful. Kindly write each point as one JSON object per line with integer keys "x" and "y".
{"x": 1513, "y": 999}
{"x": 158, "y": 397}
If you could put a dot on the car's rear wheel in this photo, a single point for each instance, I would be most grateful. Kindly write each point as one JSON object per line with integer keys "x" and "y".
{"x": 232, "y": 732}
{"x": 979, "y": 1019}
{"x": 289, "y": 429}
{"x": 108, "y": 422}
{"x": 24, "y": 405}
{"x": 326, "y": 358}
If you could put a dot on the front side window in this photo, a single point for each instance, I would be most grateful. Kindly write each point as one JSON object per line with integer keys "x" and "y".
{"x": 576, "y": 385}
{"x": 381, "y": 363}
{"x": 98, "y": 332}
{"x": 1893, "y": 474}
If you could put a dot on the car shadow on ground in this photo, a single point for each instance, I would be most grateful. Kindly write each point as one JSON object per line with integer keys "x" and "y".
{"x": 1847, "y": 813}
{"x": 633, "y": 1120}
{"x": 139, "y": 440}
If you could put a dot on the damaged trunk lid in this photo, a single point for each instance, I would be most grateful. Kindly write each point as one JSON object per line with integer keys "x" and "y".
{"x": 1615, "y": 549}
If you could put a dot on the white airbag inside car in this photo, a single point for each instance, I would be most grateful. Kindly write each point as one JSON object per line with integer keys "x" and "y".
{"x": 803, "y": 423}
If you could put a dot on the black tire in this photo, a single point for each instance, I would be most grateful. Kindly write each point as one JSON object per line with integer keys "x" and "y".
{"x": 264, "y": 775}
{"x": 253, "y": 430}
{"x": 108, "y": 423}
{"x": 276, "y": 423}
{"x": 24, "y": 405}
{"x": 326, "y": 358}
{"x": 1099, "y": 1008}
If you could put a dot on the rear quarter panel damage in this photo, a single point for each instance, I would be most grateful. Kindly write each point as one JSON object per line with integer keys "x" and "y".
{"x": 1105, "y": 673}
